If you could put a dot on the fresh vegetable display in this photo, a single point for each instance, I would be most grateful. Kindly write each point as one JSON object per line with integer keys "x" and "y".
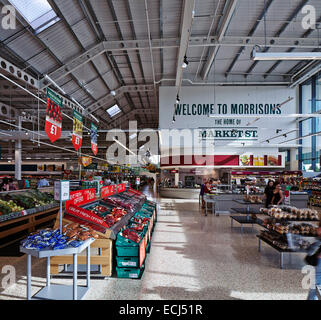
{"x": 17, "y": 202}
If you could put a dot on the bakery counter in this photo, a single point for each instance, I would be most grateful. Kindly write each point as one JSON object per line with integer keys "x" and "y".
{"x": 225, "y": 201}
{"x": 179, "y": 193}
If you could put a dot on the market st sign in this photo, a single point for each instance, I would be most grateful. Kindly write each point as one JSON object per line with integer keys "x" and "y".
{"x": 229, "y": 134}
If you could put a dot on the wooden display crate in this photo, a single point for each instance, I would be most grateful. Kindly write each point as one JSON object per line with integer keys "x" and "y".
{"x": 104, "y": 259}
{"x": 22, "y": 226}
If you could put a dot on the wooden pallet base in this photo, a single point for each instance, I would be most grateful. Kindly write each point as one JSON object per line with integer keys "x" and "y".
{"x": 104, "y": 259}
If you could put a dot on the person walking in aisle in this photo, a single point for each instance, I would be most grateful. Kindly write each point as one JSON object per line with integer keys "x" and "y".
{"x": 277, "y": 194}
{"x": 268, "y": 193}
{"x": 313, "y": 291}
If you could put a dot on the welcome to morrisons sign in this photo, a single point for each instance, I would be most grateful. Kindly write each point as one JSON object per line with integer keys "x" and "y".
{"x": 232, "y": 109}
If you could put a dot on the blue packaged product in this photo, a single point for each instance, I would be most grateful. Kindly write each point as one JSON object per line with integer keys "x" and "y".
{"x": 75, "y": 243}
{"x": 61, "y": 241}
{"x": 60, "y": 246}
{"x": 46, "y": 233}
{"x": 56, "y": 233}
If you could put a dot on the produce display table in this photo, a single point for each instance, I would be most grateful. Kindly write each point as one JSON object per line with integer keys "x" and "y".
{"x": 242, "y": 221}
{"x": 281, "y": 251}
{"x": 58, "y": 292}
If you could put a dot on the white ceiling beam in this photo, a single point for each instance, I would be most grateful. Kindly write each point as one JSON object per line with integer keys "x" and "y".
{"x": 109, "y": 98}
{"x": 186, "y": 26}
{"x": 213, "y": 51}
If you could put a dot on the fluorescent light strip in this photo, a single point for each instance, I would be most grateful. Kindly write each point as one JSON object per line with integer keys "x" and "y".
{"x": 279, "y": 56}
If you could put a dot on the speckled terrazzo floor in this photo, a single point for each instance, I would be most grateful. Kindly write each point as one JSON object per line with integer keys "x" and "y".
{"x": 192, "y": 257}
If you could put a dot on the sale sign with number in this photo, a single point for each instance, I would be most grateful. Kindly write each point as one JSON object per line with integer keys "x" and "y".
{"x": 93, "y": 135}
{"x": 77, "y": 130}
{"x": 53, "y": 116}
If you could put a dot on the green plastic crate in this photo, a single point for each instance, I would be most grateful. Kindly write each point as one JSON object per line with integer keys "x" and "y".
{"x": 130, "y": 273}
{"x": 127, "y": 248}
{"x": 127, "y": 262}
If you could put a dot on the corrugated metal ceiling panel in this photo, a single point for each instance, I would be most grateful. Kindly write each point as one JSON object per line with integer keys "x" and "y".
{"x": 105, "y": 19}
{"x": 172, "y": 12}
{"x": 25, "y": 46}
{"x": 61, "y": 42}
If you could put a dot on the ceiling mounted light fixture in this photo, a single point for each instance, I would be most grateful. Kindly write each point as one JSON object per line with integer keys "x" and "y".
{"x": 177, "y": 99}
{"x": 174, "y": 119}
{"x": 277, "y": 56}
{"x": 185, "y": 63}
{"x": 113, "y": 93}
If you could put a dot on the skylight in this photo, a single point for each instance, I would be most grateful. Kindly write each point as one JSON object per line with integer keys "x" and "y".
{"x": 38, "y": 13}
{"x": 114, "y": 110}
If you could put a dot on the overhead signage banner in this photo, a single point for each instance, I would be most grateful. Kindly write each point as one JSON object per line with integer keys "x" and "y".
{"x": 77, "y": 130}
{"x": 226, "y": 113}
{"x": 85, "y": 161}
{"x": 93, "y": 135}
{"x": 53, "y": 116}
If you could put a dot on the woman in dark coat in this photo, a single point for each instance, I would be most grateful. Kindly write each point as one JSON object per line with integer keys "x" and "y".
{"x": 268, "y": 193}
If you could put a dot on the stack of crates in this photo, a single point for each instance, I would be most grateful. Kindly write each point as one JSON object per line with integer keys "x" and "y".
{"x": 131, "y": 256}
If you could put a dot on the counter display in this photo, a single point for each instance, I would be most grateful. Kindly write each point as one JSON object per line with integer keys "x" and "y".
{"x": 225, "y": 200}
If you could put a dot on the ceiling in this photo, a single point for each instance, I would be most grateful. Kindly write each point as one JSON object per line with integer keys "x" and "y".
{"x": 134, "y": 46}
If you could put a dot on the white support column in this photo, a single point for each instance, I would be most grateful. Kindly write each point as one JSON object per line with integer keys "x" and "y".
{"x": 176, "y": 177}
{"x": 17, "y": 154}
{"x": 294, "y": 164}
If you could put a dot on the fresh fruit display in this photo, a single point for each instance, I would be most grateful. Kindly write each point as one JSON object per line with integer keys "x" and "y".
{"x": 121, "y": 202}
{"x": 131, "y": 234}
{"x": 99, "y": 209}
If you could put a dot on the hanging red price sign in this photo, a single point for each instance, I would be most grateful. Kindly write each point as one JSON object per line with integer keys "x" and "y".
{"x": 53, "y": 116}
{"x": 77, "y": 130}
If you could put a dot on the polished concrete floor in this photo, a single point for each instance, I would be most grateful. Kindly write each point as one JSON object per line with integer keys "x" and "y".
{"x": 192, "y": 257}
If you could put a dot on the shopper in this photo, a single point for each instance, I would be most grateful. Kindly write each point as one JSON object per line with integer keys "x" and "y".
{"x": 277, "y": 194}
{"x": 313, "y": 293}
{"x": 268, "y": 193}
{"x": 27, "y": 184}
{"x": 207, "y": 189}
{"x": 4, "y": 185}
{"x": 12, "y": 185}
{"x": 107, "y": 181}
{"x": 43, "y": 182}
